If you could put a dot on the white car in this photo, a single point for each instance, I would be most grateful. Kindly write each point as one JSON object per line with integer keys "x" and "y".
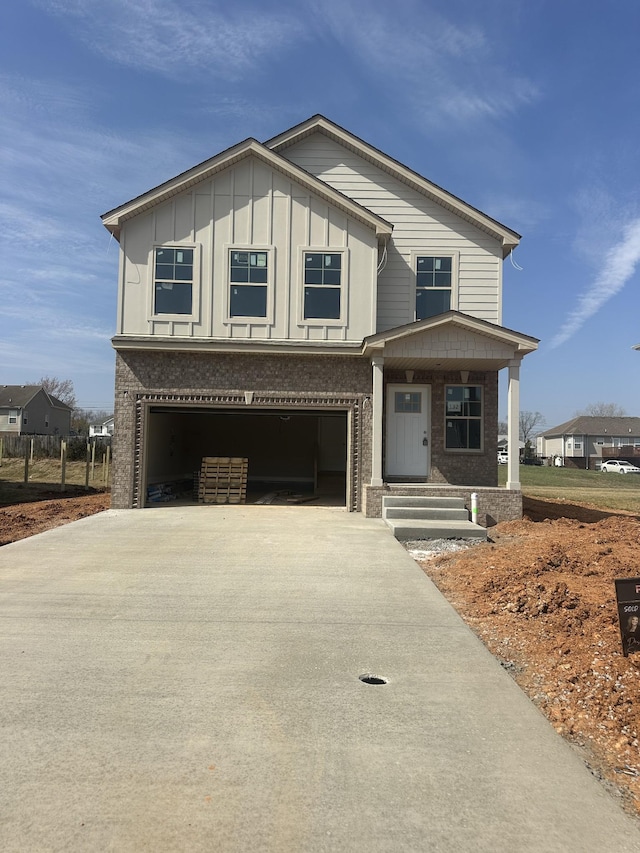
{"x": 503, "y": 457}
{"x": 619, "y": 465}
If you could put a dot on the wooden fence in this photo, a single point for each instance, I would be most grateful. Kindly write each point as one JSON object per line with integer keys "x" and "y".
{"x": 94, "y": 452}
{"x": 49, "y": 446}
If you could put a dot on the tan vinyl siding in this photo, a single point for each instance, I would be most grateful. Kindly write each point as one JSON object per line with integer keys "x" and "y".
{"x": 420, "y": 225}
{"x": 248, "y": 205}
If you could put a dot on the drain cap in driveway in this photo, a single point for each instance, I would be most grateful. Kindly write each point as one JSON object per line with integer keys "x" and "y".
{"x": 368, "y": 678}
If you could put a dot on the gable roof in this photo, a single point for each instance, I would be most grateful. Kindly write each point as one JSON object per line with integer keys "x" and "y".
{"x": 113, "y": 219}
{"x": 19, "y": 396}
{"x": 524, "y": 343}
{"x": 591, "y": 425}
{"x": 319, "y": 124}
{"x": 419, "y": 344}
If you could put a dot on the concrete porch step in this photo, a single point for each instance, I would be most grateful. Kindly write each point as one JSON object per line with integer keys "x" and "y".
{"x": 427, "y": 517}
{"x": 422, "y": 501}
{"x": 406, "y": 529}
{"x": 427, "y": 513}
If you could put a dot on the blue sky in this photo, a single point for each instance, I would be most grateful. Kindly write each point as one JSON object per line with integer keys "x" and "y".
{"x": 526, "y": 109}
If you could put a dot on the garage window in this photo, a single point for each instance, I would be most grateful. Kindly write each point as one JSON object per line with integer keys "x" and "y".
{"x": 463, "y": 417}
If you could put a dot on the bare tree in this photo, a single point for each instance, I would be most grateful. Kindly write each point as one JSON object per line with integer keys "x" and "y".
{"x": 61, "y": 389}
{"x": 83, "y": 418}
{"x": 503, "y": 427}
{"x": 529, "y": 422}
{"x": 603, "y": 410}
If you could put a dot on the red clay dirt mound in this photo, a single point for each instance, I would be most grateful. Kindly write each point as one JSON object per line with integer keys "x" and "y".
{"x": 541, "y": 596}
{"x": 21, "y": 520}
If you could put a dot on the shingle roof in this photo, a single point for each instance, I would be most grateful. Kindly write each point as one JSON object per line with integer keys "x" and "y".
{"x": 590, "y": 425}
{"x": 18, "y": 396}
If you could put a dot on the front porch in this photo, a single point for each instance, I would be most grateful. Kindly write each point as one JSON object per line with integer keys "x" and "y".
{"x": 435, "y": 414}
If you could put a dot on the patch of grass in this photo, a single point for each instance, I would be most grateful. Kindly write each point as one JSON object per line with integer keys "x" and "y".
{"x": 609, "y": 491}
{"x": 45, "y": 476}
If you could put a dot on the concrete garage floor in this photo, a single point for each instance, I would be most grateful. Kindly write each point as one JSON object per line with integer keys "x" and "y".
{"x": 187, "y": 679}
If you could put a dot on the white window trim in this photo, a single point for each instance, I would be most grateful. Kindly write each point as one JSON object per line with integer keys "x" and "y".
{"x": 455, "y": 273}
{"x": 196, "y": 285}
{"x": 320, "y": 322}
{"x": 477, "y": 451}
{"x": 271, "y": 265}
{"x": 12, "y": 417}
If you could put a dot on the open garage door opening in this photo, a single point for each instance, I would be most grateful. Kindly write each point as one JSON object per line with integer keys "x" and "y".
{"x": 295, "y": 455}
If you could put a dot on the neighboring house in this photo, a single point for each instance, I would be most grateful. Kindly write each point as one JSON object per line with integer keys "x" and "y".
{"x": 317, "y": 307}
{"x": 102, "y": 430}
{"x": 584, "y": 441}
{"x": 30, "y": 410}
{"x": 503, "y": 444}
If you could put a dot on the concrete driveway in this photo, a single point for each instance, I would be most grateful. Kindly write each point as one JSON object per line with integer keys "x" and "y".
{"x": 187, "y": 679}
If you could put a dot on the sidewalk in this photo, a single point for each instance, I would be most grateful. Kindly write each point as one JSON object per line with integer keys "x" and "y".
{"x": 187, "y": 679}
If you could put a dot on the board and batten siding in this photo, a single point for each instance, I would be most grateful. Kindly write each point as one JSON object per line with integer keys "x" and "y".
{"x": 249, "y": 205}
{"x": 419, "y": 225}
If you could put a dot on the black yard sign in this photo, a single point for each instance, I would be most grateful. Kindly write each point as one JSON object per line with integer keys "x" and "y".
{"x": 628, "y": 596}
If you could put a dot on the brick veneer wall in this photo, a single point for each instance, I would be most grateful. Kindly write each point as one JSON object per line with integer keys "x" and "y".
{"x": 321, "y": 381}
{"x": 454, "y": 466}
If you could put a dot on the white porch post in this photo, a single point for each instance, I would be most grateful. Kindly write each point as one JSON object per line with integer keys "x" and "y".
{"x": 377, "y": 363}
{"x": 513, "y": 425}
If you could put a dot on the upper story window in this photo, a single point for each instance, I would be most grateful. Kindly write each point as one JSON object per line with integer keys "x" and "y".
{"x": 463, "y": 417}
{"x": 249, "y": 276}
{"x": 323, "y": 281}
{"x": 13, "y": 416}
{"x": 173, "y": 280}
{"x": 434, "y": 275}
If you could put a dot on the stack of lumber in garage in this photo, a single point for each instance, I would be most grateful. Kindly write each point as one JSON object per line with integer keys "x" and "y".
{"x": 223, "y": 480}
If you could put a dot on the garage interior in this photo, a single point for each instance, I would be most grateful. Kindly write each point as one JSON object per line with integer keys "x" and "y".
{"x": 296, "y": 456}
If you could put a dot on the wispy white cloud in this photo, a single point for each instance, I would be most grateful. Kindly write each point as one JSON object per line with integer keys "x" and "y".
{"x": 179, "y": 37}
{"x": 447, "y": 70}
{"x": 521, "y": 214}
{"x": 619, "y": 265}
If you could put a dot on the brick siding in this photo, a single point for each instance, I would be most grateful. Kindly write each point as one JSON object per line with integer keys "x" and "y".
{"x": 290, "y": 381}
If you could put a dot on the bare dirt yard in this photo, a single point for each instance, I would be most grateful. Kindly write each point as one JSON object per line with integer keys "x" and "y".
{"x": 540, "y": 594}
{"x": 18, "y": 521}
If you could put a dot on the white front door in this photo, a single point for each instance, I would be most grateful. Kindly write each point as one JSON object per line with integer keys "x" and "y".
{"x": 408, "y": 434}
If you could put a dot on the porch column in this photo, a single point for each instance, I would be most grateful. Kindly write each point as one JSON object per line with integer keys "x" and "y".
{"x": 377, "y": 363}
{"x": 513, "y": 425}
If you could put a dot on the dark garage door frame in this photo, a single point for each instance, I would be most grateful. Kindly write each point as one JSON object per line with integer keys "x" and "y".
{"x": 248, "y": 401}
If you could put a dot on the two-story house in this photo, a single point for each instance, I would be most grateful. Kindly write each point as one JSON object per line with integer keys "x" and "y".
{"x": 313, "y": 305}
{"x": 587, "y": 440}
{"x": 31, "y": 410}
